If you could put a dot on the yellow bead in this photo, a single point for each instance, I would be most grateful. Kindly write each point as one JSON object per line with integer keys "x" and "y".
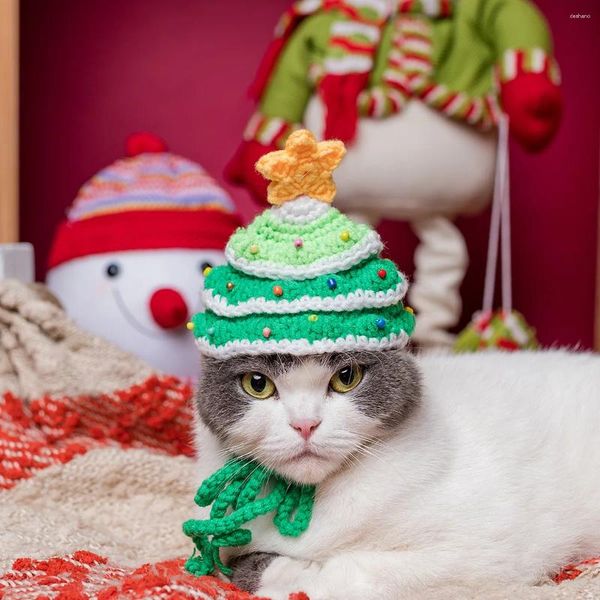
{"x": 189, "y": 325}
{"x": 312, "y": 318}
{"x": 206, "y": 271}
{"x": 345, "y": 235}
{"x": 408, "y": 309}
{"x": 230, "y": 285}
{"x": 254, "y": 249}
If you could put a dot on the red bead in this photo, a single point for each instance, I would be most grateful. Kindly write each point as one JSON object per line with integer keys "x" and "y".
{"x": 278, "y": 290}
{"x": 382, "y": 273}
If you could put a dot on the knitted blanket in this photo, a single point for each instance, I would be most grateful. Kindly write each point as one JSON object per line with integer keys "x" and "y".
{"x": 96, "y": 472}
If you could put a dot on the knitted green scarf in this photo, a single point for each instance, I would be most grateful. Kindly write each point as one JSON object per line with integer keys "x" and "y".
{"x": 233, "y": 492}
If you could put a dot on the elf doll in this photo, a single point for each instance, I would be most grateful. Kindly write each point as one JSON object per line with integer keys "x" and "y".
{"x": 415, "y": 88}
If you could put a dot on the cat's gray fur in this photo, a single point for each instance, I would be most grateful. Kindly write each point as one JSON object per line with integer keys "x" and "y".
{"x": 248, "y": 568}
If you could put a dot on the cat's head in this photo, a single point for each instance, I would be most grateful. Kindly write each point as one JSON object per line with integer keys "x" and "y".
{"x": 307, "y": 417}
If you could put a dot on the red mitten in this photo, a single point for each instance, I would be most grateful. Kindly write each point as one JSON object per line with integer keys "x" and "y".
{"x": 240, "y": 169}
{"x": 339, "y": 94}
{"x": 534, "y": 107}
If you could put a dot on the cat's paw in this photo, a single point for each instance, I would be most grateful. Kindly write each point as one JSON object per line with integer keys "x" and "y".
{"x": 336, "y": 579}
{"x": 288, "y": 578}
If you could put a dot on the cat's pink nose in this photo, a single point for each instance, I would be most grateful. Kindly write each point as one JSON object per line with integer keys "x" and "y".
{"x": 305, "y": 427}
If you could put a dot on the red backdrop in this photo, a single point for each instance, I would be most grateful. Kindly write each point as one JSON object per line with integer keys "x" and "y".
{"x": 94, "y": 71}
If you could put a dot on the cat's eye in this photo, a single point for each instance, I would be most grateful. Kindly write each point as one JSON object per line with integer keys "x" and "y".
{"x": 258, "y": 385}
{"x": 346, "y": 379}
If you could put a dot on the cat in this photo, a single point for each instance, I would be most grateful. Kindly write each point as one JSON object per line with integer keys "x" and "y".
{"x": 429, "y": 470}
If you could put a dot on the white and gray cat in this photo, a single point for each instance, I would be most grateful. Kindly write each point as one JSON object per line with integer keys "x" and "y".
{"x": 429, "y": 470}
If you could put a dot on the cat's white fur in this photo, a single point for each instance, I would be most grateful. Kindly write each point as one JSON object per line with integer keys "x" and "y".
{"x": 495, "y": 477}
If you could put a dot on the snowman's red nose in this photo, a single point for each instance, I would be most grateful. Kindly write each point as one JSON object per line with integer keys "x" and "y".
{"x": 168, "y": 308}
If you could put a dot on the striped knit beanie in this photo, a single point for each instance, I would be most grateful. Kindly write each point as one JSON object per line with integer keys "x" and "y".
{"x": 150, "y": 199}
{"x": 302, "y": 278}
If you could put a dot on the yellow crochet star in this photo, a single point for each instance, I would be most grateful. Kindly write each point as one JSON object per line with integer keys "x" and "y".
{"x": 303, "y": 168}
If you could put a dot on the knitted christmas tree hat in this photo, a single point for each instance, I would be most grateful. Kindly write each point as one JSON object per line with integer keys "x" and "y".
{"x": 302, "y": 278}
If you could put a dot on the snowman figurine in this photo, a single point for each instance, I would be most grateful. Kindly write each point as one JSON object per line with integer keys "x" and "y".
{"x": 416, "y": 89}
{"x": 128, "y": 262}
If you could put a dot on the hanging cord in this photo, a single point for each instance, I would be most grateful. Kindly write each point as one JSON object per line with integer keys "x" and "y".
{"x": 235, "y": 494}
{"x": 500, "y": 227}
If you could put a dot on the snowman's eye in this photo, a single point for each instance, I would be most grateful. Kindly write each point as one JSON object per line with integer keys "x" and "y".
{"x": 113, "y": 270}
{"x": 204, "y": 266}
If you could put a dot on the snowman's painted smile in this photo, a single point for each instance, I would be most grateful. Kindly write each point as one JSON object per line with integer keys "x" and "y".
{"x": 131, "y": 319}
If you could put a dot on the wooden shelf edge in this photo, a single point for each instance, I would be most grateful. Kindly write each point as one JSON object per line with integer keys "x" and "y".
{"x": 9, "y": 121}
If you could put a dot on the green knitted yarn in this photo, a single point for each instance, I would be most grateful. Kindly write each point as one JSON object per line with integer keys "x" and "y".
{"x": 374, "y": 324}
{"x": 234, "y": 287}
{"x": 303, "y": 278}
{"x": 270, "y": 239}
{"x": 234, "y": 493}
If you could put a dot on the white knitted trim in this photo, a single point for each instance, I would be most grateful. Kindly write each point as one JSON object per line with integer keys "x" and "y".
{"x": 410, "y": 24}
{"x": 356, "y": 300}
{"x": 397, "y": 98}
{"x": 383, "y": 7}
{"x": 456, "y": 104}
{"x": 368, "y": 246}
{"x": 538, "y": 60}
{"x": 350, "y": 63}
{"x": 510, "y": 64}
{"x": 431, "y": 8}
{"x": 308, "y": 6}
{"x": 267, "y": 135}
{"x": 349, "y": 28}
{"x": 476, "y": 114}
{"x": 397, "y": 77}
{"x": 303, "y": 209}
{"x": 417, "y": 45}
{"x": 303, "y": 346}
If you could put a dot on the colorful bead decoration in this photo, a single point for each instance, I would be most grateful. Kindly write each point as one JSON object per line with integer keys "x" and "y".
{"x": 189, "y": 325}
{"x": 380, "y": 323}
{"x": 206, "y": 271}
{"x": 359, "y": 277}
{"x": 266, "y": 332}
{"x": 253, "y": 249}
{"x": 210, "y": 331}
{"x": 312, "y": 318}
{"x": 345, "y": 235}
{"x": 408, "y": 309}
{"x": 230, "y": 285}
{"x": 298, "y": 243}
{"x": 382, "y": 273}
{"x": 278, "y": 290}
